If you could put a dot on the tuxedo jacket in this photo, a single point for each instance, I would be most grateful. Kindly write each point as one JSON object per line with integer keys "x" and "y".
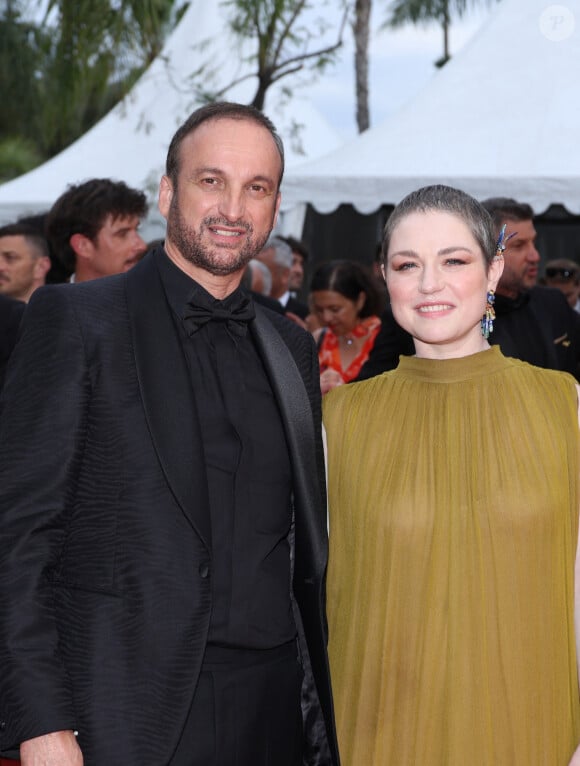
{"x": 10, "y": 315}
{"x": 297, "y": 307}
{"x": 105, "y": 598}
{"x": 539, "y": 327}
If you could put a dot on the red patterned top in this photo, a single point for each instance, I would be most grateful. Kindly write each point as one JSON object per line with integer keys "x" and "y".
{"x": 329, "y": 352}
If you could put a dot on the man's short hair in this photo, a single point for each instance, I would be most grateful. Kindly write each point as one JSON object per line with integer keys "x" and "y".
{"x": 84, "y": 208}
{"x": 219, "y": 110}
{"x": 282, "y": 252}
{"x": 507, "y": 209}
{"x": 34, "y": 238}
{"x": 264, "y": 271}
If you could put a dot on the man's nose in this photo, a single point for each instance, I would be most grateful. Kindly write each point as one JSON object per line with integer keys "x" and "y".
{"x": 138, "y": 245}
{"x": 231, "y": 204}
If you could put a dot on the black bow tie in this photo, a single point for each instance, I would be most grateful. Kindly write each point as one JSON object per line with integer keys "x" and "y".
{"x": 235, "y": 311}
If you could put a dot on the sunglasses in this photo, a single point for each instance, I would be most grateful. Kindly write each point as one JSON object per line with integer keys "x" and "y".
{"x": 552, "y": 272}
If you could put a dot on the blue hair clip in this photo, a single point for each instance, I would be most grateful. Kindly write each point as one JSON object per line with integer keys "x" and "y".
{"x": 502, "y": 240}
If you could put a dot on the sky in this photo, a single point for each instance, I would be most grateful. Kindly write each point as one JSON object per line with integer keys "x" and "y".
{"x": 401, "y": 64}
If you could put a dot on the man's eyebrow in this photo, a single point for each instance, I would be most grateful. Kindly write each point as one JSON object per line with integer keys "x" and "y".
{"x": 207, "y": 169}
{"x": 266, "y": 179}
{"x": 220, "y": 172}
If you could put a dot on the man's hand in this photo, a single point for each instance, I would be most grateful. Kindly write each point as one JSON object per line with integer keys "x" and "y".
{"x": 59, "y": 748}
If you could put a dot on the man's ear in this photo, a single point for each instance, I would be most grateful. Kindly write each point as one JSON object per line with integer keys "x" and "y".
{"x": 82, "y": 246}
{"x": 42, "y": 267}
{"x": 165, "y": 195}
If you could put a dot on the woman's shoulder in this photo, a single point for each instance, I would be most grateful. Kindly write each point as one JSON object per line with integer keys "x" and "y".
{"x": 530, "y": 373}
{"x": 544, "y": 390}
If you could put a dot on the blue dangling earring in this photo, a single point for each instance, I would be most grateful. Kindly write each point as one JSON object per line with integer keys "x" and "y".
{"x": 489, "y": 316}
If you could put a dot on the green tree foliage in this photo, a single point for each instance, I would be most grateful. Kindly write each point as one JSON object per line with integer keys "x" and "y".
{"x": 402, "y": 12}
{"x": 22, "y": 55}
{"x": 64, "y": 71}
{"x": 17, "y": 155}
{"x": 100, "y": 48}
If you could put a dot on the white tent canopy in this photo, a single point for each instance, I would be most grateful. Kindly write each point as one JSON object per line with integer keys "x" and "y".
{"x": 130, "y": 143}
{"x": 502, "y": 118}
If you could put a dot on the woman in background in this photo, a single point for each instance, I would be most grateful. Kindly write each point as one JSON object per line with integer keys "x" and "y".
{"x": 346, "y": 303}
{"x": 453, "y": 497}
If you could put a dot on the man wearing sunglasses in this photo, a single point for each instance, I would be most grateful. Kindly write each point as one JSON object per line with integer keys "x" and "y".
{"x": 564, "y": 275}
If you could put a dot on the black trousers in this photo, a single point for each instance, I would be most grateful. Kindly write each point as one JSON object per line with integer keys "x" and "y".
{"x": 245, "y": 711}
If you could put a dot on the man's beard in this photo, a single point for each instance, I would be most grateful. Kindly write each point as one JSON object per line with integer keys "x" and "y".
{"x": 188, "y": 242}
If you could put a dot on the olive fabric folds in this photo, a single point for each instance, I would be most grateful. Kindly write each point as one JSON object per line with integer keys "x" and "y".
{"x": 453, "y": 496}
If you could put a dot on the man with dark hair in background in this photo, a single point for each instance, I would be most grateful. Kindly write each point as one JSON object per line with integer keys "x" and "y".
{"x": 533, "y": 323}
{"x": 24, "y": 260}
{"x": 93, "y": 228}
{"x": 522, "y": 266}
{"x": 163, "y": 519}
{"x": 297, "y": 270}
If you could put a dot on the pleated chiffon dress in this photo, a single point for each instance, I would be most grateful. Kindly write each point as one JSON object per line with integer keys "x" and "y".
{"x": 453, "y": 500}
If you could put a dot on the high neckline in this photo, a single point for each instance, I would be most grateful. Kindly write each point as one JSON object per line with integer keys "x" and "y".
{"x": 483, "y": 363}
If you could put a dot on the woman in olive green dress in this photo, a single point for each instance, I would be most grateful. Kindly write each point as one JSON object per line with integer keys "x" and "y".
{"x": 453, "y": 497}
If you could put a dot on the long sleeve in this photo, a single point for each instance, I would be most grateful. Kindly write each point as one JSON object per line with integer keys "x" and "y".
{"x": 43, "y": 419}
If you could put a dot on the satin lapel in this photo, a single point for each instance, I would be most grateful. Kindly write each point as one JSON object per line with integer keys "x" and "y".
{"x": 290, "y": 392}
{"x": 167, "y": 394}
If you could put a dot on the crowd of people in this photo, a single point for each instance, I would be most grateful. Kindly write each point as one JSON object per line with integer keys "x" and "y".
{"x": 257, "y": 511}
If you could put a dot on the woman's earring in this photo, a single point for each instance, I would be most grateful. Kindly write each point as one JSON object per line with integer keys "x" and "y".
{"x": 489, "y": 316}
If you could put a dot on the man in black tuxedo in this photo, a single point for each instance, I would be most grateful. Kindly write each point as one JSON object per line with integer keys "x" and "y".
{"x": 163, "y": 520}
{"x": 10, "y": 315}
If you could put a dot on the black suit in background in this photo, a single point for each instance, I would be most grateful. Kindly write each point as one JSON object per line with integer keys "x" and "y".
{"x": 294, "y": 306}
{"x": 105, "y": 597}
{"x": 269, "y": 303}
{"x": 538, "y": 327}
{"x": 10, "y": 315}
